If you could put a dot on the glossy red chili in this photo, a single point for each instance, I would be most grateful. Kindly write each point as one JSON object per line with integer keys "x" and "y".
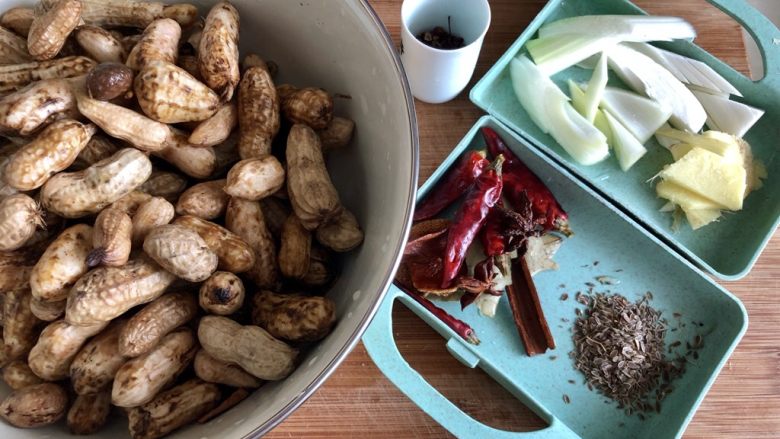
{"x": 493, "y": 238}
{"x": 470, "y": 218}
{"x": 518, "y": 178}
{"x": 452, "y": 186}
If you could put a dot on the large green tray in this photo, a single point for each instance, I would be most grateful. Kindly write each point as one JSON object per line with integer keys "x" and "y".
{"x": 625, "y": 251}
{"x": 729, "y": 248}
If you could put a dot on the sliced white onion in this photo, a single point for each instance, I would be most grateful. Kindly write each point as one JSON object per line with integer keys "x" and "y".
{"x": 688, "y": 70}
{"x": 728, "y": 116}
{"x": 649, "y": 78}
{"x": 544, "y": 101}
{"x": 642, "y": 116}
{"x": 694, "y": 88}
{"x": 596, "y": 86}
{"x": 577, "y": 96}
{"x": 601, "y": 123}
{"x": 627, "y": 148}
{"x": 556, "y": 53}
{"x": 533, "y": 91}
{"x": 627, "y": 27}
{"x": 584, "y": 142}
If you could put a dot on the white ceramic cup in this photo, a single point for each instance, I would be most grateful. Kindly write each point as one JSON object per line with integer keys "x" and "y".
{"x": 437, "y": 75}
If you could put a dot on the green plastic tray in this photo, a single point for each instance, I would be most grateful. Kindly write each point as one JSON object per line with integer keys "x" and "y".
{"x": 624, "y": 251}
{"x": 729, "y": 248}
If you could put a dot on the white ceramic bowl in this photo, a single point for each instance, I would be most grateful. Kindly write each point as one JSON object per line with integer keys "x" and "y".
{"x": 342, "y": 47}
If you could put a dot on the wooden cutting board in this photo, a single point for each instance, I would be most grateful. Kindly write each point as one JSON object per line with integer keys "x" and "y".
{"x": 357, "y": 401}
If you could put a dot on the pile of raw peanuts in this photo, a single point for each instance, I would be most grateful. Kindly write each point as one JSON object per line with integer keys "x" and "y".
{"x": 167, "y": 221}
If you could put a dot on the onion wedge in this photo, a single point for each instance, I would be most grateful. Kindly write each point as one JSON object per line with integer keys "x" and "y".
{"x": 688, "y": 70}
{"x": 728, "y": 116}
{"x": 550, "y": 109}
{"x": 649, "y": 78}
{"x": 596, "y": 86}
{"x": 625, "y": 27}
{"x": 640, "y": 115}
{"x": 627, "y": 148}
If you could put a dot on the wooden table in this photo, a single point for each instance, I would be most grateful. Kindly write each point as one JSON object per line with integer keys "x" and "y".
{"x": 358, "y": 401}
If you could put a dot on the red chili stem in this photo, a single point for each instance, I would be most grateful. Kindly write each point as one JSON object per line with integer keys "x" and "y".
{"x": 452, "y": 186}
{"x": 459, "y": 326}
{"x": 470, "y": 218}
{"x": 518, "y": 178}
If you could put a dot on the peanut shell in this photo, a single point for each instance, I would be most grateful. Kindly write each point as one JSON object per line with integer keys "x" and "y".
{"x": 35, "y": 406}
{"x": 293, "y": 317}
{"x": 205, "y": 200}
{"x": 159, "y": 42}
{"x": 221, "y": 294}
{"x": 139, "y": 380}
{"x": 295, "y": 250}
{"x": 52, "y": 151}
{"x": 62, "y": 264}
{"x": 218, "y": 50}
{"x": 312, "y": 194}
{"x": 258, "y": 113}
{"x": 59, "y": 342}
{"x": 182, "y": 251}
{"x": 234, "y": 254}
{"x": 107, "y": 292}
{"x": 156, "y": 320}
{"x": 89, "y": 413}
{"x": 33, "y": 107}
{"x": 111, "y": 239}
{"x": 246, "y": 219}
{"x": 172, "y": 409}
{"x": 49, "y": 30}
{"x": 169, "y": 94}
{"x": 254, "y": 179}
{"x": 150, "y": 215}
{"x": 76, "y": 194}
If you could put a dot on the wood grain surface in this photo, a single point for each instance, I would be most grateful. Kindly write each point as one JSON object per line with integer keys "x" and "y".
{"x": 358, "y": 401}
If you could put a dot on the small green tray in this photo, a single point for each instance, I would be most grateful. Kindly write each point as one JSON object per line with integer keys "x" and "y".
{"x": 727, "y": 249}
{"x": 625, "y": 252}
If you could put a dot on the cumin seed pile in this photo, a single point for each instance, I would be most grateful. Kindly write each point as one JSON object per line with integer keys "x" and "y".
{"x": 619, "y": 346}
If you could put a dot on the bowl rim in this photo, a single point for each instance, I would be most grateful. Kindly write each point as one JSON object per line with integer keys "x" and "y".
{"x": 318, "y": 381}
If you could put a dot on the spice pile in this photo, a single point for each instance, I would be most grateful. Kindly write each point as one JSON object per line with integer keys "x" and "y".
{"x": 497, "y": 239}
{"x": 620, "y": 347}
{"x": 440, "y": 38}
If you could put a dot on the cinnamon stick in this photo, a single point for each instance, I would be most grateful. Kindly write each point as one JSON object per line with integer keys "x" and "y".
{"x": 527, "y": 310}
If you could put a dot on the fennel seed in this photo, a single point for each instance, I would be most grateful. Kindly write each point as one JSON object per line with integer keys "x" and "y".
{"x": 619, "y": 346}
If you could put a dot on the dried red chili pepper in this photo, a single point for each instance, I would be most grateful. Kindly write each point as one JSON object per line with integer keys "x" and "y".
{"x": 422, "y": 265}
{"x": 452, "y": 186}
{"x": 459, "y": 326}
{"x": 518, "y": 179}
{"x": 470, "y": 218}
{"x": 493, "y": 233}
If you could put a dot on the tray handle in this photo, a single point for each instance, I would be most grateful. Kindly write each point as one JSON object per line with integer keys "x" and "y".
{"x": 764, "y": 32}
{"x": 379, "y": 342}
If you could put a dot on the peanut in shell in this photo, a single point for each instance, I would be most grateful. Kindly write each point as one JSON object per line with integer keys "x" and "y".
{"x": 312, "y": 194}
{"x": 50, "y": 29}
{"x": 258, "y": 113}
